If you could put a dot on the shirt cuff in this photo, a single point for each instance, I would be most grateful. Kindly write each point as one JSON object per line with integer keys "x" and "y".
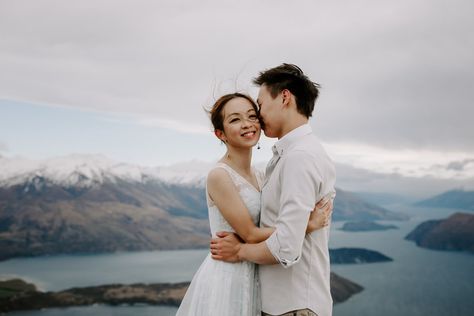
{"x": 274, "y": 246}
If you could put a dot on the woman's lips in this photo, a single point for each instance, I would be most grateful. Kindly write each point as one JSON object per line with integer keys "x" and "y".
{"x": 248, "y": 134}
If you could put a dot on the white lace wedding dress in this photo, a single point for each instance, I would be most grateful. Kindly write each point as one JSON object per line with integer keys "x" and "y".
{"x": 220, "y": 288}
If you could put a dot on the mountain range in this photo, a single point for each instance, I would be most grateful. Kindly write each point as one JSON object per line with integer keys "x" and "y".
{"x": 458, "y": 198}
{"x": 84, "y": 203}
{"x": 348, "y": 206}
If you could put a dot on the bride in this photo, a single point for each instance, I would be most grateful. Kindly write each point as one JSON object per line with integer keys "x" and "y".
{"x": 233, "y": 198}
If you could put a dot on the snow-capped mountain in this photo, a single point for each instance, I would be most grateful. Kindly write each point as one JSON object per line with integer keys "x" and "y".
{"x": 186, "y": 173}
{"x": 89, "y": 203}
{"x": 91, "y": 170}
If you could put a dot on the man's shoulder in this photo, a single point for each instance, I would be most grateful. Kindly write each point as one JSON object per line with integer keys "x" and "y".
{"x": 310, "y": 149}
{"x": 305, "y": 155}
{"x": 308, "y": 144}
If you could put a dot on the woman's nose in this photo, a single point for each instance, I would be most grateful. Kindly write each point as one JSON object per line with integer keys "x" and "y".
{"x": 246, "y": 122}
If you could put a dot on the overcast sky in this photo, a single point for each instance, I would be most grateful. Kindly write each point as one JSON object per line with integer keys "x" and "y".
{"x": 397, "y": 77}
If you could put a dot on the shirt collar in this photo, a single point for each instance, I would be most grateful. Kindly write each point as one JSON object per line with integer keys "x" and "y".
{"x": 283, "y": 143}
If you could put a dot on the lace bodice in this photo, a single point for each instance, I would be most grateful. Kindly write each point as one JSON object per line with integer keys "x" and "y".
{"x": 249, "y": 194}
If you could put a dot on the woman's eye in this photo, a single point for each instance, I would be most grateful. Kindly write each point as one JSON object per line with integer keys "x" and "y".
{"x": 234, "y": 120}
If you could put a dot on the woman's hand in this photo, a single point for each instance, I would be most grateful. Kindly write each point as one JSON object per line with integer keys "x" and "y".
{"x": 225, "y": 247}
{"x": 320, "y": 215}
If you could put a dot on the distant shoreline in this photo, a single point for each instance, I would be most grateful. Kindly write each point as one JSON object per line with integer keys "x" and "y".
{"x": 17, "y": 295}
{"x": 345, "y": 258}
{"x": 51, "y": 255}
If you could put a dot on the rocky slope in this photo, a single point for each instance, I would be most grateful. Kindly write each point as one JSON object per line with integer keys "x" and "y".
{"x": 455, "y": 233}
{"x": 39, "y": 217}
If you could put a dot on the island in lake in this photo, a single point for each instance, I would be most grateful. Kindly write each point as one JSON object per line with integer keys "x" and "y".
{"x": 365, "y": 226}
{"x": 17, "y": 294}
{"x": 356, "y": 255}
{"x": 455, "y": 233}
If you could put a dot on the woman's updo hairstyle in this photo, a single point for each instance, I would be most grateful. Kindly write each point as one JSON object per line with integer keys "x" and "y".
{"x": 217, "y": 117}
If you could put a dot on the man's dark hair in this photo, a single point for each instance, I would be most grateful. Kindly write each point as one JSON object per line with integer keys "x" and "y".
{"x": 291, "y": 77}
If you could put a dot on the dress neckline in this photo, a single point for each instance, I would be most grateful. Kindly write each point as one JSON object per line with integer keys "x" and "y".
{"x": 259, "y": 189}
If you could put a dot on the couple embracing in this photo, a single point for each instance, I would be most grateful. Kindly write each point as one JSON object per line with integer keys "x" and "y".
{"x": 269, "y": 252}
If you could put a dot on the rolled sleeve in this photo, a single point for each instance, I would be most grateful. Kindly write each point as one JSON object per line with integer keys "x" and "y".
{"x": 299, "y": 190}
{"x": 283, "y": 257}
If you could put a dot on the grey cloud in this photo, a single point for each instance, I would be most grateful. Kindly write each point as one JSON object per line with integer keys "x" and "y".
{"x": 361, "y": 180}
{"x": 457, "y": 169}
{"x": 394, "y": 74}
{"x": 459, "y": 165}
{"x": 3, "y": 147}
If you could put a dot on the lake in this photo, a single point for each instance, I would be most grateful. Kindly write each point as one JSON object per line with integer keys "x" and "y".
{"x": 418, "y": 282}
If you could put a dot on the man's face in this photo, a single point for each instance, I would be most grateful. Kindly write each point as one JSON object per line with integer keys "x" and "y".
{"x": 270, "y": 112}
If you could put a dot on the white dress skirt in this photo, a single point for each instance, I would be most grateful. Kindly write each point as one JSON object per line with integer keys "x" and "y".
{"x": 226, "y": 289}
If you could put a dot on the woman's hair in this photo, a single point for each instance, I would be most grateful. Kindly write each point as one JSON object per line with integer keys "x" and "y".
{"x": 291, "y": 77}
{"x": 217, "y": 117}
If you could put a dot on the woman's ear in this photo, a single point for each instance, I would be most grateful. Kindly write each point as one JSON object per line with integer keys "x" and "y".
{"x": 220, "y": 134}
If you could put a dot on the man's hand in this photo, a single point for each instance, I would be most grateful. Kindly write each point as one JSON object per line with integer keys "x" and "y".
{"x": 320, "y": 215}
{"x": 225, "y": 247}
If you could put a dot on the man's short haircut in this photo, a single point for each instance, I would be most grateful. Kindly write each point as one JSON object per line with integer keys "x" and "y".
{"x": 292, "y": 78}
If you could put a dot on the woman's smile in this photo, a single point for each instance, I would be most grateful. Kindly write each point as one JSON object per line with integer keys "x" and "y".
{"x": 249, "y": 134}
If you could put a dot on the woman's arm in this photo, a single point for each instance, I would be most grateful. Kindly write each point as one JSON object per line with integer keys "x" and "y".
{"x": 223, "y": 192}
{"x": 321, "y": 214}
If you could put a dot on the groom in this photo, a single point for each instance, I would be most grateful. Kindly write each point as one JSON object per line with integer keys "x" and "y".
{"x": 294, "y": 266}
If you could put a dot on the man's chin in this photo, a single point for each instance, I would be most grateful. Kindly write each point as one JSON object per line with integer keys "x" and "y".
{"x": 268, "y": 134}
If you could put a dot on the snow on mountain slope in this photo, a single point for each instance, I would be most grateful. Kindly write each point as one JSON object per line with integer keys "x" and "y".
{"x": 192, "y": 172}
{"x": 91, "y": 170}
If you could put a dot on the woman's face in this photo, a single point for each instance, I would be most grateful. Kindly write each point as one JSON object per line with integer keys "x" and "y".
{"x": 241, "y": 125}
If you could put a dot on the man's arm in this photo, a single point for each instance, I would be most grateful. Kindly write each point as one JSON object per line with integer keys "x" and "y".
{"x": 299, "y": 182}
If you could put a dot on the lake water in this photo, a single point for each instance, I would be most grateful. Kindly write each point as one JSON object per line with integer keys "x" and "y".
{"x": 417, "y": 282}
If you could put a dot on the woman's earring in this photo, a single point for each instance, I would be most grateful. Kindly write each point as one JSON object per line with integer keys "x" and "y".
{"x": 258, "y": 145}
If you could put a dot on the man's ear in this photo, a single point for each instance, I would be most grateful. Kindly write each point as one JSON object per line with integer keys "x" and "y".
{"x": 285, "y": 96}
{"x": 220, "y": 134}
